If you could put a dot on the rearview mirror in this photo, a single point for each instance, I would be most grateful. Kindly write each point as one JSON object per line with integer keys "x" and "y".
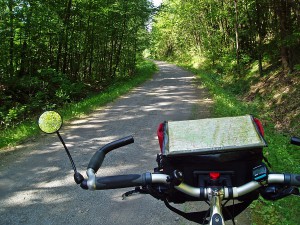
{"x": 50, "y": 122}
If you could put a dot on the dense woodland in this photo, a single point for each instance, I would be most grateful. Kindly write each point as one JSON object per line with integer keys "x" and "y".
{"x": 57, "y": 51}
{"x": 223, "y": 30}
{"x": 252, "y": 46}
{"x": 60, "y": 51}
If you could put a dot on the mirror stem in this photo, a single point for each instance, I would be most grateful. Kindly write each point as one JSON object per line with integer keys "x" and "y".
{"x": 67, "y": 151}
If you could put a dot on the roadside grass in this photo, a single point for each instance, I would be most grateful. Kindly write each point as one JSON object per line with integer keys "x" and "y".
{"x": 29, "y": 129}
{"x": 282, "y": 156}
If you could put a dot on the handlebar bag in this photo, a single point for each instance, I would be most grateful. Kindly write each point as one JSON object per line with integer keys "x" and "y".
{"x": 231, "y": 146}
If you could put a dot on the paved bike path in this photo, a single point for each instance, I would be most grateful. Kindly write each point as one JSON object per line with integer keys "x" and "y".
{"x": 36, "y": 181}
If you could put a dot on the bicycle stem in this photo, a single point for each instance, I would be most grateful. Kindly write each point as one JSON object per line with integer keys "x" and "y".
{"x": 215, "y": 196}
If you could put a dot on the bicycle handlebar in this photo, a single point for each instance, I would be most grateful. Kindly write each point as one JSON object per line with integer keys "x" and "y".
{"x": 287, "y": 179}
{"x": 133, "y": 180}
{"x": 122, "y": 181}
{"x": 97, "y": 159}
{"x": 292, "y": 179}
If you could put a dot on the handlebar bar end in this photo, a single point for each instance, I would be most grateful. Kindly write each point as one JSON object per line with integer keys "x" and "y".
{"x": 84, "y": 185}
{"x": 78, "y": 178}
{"x": 295, "y": 141}
{"x": 292, "y": 179}
{"x": 97, "y": 159}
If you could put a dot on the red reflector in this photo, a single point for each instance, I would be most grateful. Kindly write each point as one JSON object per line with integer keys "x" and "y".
{"x": 259, "y": 126}
{"x": 160, "y": 135}
{"x": 214, "y": 175}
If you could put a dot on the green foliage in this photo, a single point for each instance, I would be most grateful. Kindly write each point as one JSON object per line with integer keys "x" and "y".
{"x": 145, "y": 70}
{"x": 282, "y": 156}
{"x": 12, "y": 115}
{"x": 29, "y": 128}
{"x": 297, "y": 67}
{"x": 226, "y": 103}
{"x": 45, "y": 90}
{"x": 57, "y": 52}
{"x": 218, "y": 30}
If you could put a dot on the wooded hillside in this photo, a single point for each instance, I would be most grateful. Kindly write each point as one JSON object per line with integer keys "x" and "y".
{"x": 254, "y": 45}
{"x": 222, "y": 30}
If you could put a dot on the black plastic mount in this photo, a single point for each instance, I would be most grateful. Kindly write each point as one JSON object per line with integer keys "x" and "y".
{"x": 295, "y": 141}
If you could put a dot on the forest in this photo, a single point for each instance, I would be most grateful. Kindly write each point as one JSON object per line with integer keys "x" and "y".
{"x": 253, "y": 46}
{"x": 244, "y": 30}
{"x": 60, "y": 51}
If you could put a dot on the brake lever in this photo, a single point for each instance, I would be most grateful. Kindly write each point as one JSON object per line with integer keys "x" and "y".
{"x": 295, "y": 141}
{"x": 291, "y": 191}
{"x": 137, "y": 190}
{"x": 296, "y": 193}
{"x": 276, "y": 193}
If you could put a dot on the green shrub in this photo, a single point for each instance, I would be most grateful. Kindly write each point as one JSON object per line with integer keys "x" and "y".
{"x": 282, "y": 156}
{"x": 55, "y": 91}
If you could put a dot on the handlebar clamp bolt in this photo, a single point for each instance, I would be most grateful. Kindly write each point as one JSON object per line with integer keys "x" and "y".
{"x": 177, "y": 177}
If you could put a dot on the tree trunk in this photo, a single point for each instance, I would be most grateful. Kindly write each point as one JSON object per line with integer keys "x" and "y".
{"x": 283, "y": 11}
{"x": 66, "y": 23}
{"x": 63, "y": 40}
{"x": 23, "y": 64}
{"x": 260, "y": 35}
{"x": 237, "y": 33}
{"x": 91, "y": 52}
{"x": 11, "y": 38}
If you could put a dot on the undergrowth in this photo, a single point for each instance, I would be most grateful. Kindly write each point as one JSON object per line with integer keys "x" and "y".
{"x": 29, "y": 128}
{"x": 282, "y": 156}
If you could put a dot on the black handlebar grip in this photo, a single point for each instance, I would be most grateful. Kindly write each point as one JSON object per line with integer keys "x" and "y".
{"x": 295, "y": 180}
{"x": 292, "y": 179}
{"x": 98, "y": 157}
{"x": 123, "y": 181}
{"x": 97, "y": 160}
{"x": 295, "y": 141}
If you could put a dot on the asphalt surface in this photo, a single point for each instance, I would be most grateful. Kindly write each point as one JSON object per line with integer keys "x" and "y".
{"x": 36, "y": 180}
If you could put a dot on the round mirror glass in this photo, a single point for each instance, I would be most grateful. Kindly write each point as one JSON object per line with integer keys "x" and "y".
{"x": 50, "y": 122}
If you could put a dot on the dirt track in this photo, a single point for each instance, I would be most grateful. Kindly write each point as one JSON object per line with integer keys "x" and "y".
{"x": 37, "y": 184}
